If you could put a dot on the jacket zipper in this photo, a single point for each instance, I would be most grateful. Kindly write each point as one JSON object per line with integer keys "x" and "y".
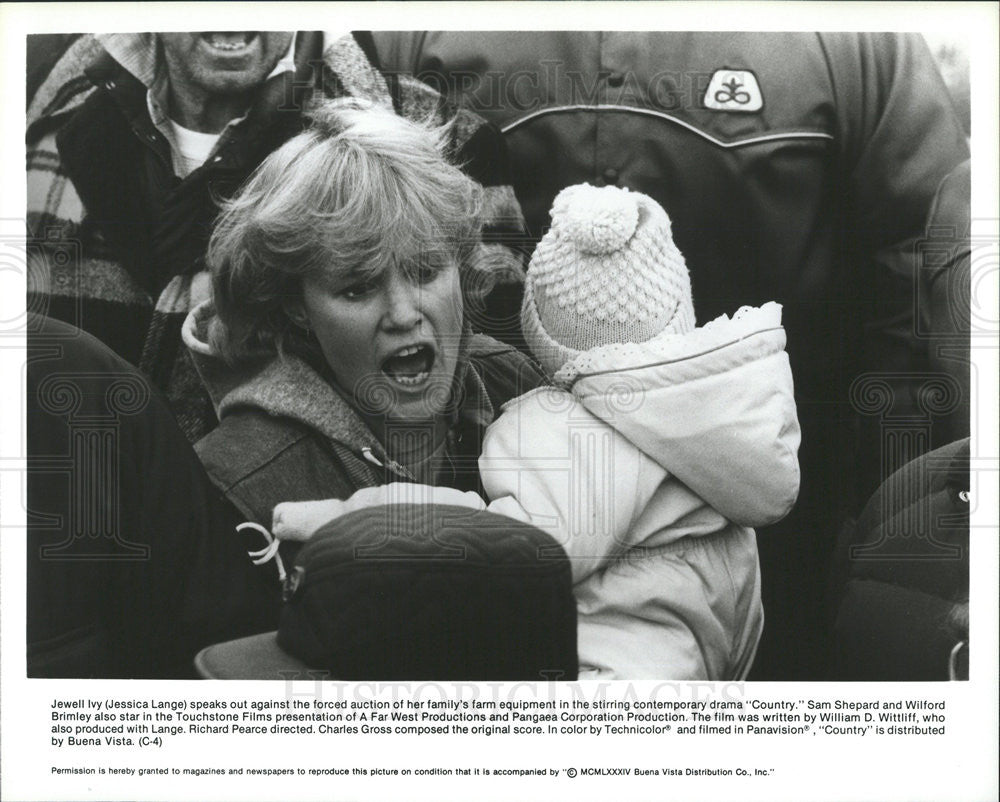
{"x": 389, "y": 464}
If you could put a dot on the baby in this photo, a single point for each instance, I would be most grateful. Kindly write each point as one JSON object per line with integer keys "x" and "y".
{"x": 658, "y": 447}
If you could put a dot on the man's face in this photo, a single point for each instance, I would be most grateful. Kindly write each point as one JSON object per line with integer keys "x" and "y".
{"x": 215, "y": 63}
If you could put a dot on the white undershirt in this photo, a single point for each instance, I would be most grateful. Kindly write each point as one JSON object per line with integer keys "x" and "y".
{"x": 191, "y": 148}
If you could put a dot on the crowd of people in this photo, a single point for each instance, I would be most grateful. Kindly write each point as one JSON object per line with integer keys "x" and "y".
{"x": 664, "y": 298}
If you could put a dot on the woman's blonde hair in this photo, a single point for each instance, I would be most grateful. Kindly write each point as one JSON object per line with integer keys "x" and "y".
{"x": 360, "y": 184}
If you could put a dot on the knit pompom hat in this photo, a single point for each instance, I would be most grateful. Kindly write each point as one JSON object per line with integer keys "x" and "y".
{"x": 607, "y": 271}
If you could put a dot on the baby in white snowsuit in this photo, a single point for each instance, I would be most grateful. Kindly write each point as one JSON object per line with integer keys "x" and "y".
{"x": 658, "y": 449}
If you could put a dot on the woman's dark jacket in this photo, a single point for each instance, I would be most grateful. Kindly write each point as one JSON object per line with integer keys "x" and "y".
{"x": 287, "y": 435}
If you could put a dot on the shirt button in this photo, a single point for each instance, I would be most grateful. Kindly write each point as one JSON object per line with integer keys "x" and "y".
{"x": 611, "y": 176}
{"x": 615, "y": 80}
{"x": 109, "y": 85}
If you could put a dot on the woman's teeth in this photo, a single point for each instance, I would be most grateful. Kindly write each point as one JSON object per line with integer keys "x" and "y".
{"x": 412, "y": 380}
{"x": 409, "y": 366}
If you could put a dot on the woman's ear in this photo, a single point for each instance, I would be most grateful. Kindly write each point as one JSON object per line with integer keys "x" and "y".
{"x": 296, "y": 313}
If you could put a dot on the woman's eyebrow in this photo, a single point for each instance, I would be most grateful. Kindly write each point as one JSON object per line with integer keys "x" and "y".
{"x": 361, "y": 272}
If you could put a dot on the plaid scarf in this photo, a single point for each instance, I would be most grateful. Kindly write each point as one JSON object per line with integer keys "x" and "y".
{"x": 116, "y": 241}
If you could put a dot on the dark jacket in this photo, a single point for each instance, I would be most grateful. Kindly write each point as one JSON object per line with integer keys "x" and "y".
{"x": 815, "y": 199}
{"x": 902, "y": 572}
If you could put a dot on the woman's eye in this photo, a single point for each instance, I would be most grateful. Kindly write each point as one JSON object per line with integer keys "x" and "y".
{"x": 427, "y": 272}
{"x": 358, "y": 290}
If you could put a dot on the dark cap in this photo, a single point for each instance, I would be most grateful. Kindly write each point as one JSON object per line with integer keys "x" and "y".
{"x": 417, "y": 592}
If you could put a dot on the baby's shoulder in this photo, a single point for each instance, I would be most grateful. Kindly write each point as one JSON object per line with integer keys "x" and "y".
{"x": 544, "y": 409}
{"x": 541, "y": 400}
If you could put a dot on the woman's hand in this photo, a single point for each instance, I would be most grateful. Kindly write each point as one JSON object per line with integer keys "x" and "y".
{"x": 299, "y": 520}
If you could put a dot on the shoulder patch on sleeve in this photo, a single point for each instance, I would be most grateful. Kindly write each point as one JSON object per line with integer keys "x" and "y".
{"x": 734, "y": 90}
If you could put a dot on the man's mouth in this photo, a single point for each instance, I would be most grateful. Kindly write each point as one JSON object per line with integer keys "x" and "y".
{"x": 410, "y": 366}
{"x": 229, "y": 41}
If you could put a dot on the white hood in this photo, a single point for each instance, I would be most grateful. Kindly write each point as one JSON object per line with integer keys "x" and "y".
{"x": 715, "y": 408}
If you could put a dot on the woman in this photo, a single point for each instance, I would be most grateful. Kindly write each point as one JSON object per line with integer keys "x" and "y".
{"x": 336, "y": 348}
{"x": 323, "y": 387}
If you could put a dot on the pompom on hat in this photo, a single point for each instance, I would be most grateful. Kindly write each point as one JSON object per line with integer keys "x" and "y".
{"x": 607, "y": 271}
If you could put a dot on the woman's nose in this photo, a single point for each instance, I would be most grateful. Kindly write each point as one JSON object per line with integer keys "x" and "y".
{"x": 402, "y": 303}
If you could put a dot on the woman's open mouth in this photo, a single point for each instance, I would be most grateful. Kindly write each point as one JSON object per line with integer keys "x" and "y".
{"x": 229, "y": 41}
{"x": 410, "y": 366}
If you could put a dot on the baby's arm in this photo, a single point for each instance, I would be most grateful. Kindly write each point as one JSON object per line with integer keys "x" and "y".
{"x": 299, "y": 520}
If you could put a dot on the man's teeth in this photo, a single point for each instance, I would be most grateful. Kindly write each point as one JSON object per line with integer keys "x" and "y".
{"x": 411, "y": 349}
{"x": 229, "y": 41}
